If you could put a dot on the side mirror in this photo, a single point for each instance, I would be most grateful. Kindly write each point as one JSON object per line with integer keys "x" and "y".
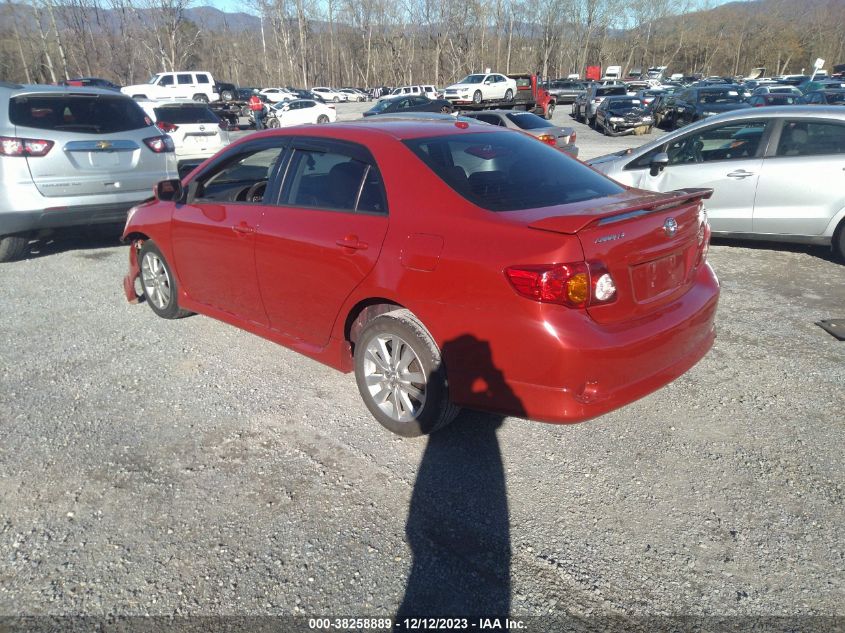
{"x": 169, "y": 190}
{"x": 659, "y": 163}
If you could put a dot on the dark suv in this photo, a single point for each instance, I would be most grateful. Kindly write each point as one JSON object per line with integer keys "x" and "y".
{"x": 694, "y": 104}
{"x": 73, "y": 156}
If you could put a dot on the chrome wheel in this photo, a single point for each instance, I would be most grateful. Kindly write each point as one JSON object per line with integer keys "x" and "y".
{"x": 155, "y": 280}
{"x": 394, "y": 377}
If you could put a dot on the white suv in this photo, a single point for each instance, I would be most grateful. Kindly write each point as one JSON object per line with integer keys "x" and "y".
{"x": 425, "y": 90}
{"x": 195, "y": 85}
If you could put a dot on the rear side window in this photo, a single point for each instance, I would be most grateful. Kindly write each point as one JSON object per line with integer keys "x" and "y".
{"x": 503, "y": 171}
{"x": 184, "y": 79}
{"x": 328, "y": 180}
{"x": 202, "y": 79}
{"x": 611, "y": 90}
{"x": 186, "y": 114}
{"x": 805, "y": 138}
{"x": 87, "y": 114}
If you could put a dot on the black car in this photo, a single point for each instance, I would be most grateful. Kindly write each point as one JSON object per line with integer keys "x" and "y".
{"x": 700, "y": 102}
{"x": 623, "y": 115}
{"x": 93, "y": 82}
{"x": 409, "y": 103}
{"x": 775, "y": 99}
{"x": 825, "y": 97}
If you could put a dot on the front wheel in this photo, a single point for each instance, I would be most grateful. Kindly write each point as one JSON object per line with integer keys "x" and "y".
{"x": 401, "y": 377}
{"x": 158, "y": 283}
{"x": 550, "y": 110}
{"x": 509, "y": 95}
{"x": 335, "y": 99}
{"x": 446, "y": 110}
{"x": 201, "y": 98}
{"x": 476, "y": 97}
{"x": 227, "y": 95}
{"x": 273, "y": 123}
{"x": 322, "y": 119}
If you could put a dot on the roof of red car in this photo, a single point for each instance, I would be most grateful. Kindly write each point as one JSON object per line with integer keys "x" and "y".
{"x": 394, "y": 128}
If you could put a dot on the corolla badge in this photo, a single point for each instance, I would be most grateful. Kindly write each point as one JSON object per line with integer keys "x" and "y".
{"x": 670, "y": 227}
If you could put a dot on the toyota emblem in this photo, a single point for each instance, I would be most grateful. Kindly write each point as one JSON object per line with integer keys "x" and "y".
{"x": 670, "y": 227}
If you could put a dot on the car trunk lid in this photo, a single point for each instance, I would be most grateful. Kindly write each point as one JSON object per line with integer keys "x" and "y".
{"x": 650, "y": 244}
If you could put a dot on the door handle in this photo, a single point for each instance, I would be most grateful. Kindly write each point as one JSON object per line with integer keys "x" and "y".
{"x": 740, "y": 173}
{"x": 243, "y": 229}
{"x": 352, "y": 242}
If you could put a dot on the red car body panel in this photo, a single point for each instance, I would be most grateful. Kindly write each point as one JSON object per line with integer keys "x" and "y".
{"x": 299, "y": 277}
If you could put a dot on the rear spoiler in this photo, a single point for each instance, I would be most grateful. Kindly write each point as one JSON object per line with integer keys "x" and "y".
{"x": 631, "y": 208}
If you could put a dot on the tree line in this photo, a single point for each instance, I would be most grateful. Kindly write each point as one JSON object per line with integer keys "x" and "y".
{"x": 392, "y": 42}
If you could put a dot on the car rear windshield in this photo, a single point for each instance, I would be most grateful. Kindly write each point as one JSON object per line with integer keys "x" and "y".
{"x": 528, "y": 121}
{"x": 719, "y": 96}
{"x": 506, "y": 171}
{"x": 186, "y": 114}
{"x": 611, "y": 90}
{"x": 86, "y": 114}
{"x": 624, "y": 103}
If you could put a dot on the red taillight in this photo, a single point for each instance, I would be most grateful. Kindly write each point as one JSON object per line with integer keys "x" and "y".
{"x": 597, "y": 100}
{"x": 160, "y": 144}
{"x": 575, "y": 285}
{"x": 164, "y": 126}
{"x": 548, "y": 139}
{"x": 11, "y": 146}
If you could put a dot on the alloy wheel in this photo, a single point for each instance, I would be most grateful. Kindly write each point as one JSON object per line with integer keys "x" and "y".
{"x": 394, "y": 377}
{"x": 156, "y": 281}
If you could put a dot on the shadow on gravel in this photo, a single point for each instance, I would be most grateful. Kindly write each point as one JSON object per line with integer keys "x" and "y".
{"x": 77, "y": 239}
{"x": 458, "y": 526}
{"x": 822, "y": 252}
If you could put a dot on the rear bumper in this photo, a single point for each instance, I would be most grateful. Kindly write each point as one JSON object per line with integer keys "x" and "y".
{"x": 570, "y": 149}
{"x": 565, "y": 368}
{"x": 12, "y": 222}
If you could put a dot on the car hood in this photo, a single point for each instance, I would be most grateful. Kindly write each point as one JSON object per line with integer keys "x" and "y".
{"x": 462, "y": 86}
{"x": 606, "y": 161}
{"x": 631, "y": 112}
{"x": 130, "y": 90}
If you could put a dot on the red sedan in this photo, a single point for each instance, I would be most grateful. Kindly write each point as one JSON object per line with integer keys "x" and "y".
{"x": 448, "y": 264}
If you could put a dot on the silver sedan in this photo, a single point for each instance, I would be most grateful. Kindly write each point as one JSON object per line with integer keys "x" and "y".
{"x": 777, "y": 173}
{"x": 561, "y": 137}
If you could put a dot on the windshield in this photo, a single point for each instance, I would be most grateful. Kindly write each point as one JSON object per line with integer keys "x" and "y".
{"x": 719, "y": 96}
{"x": 472, "y": 79}
{"x": 186, "y": 114}
{"x": 153, "y": 79}
{"x": 503, "y": 171}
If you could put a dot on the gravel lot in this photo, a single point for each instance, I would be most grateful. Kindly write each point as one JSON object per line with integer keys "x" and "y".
{"x": 152, "y": 467}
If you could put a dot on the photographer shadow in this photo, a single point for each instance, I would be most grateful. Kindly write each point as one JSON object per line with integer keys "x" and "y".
{"x": 458, "y": 523}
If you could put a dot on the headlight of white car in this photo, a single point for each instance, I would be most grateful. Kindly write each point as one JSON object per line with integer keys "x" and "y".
{"x": 616, "y": 119}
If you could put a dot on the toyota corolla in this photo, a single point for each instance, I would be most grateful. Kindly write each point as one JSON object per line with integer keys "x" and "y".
{"x": 448, "y": 264}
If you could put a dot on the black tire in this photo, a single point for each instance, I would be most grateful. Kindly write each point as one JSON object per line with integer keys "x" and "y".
{"x": 200, "y": 97}
{"x": 273, "y": 123}
{"x": 13, "y": 247}
{"x": 164, "y": 281}
{"x": 336, "y": 99}
{"x": 446, "y": 110}
{"x": 404, "y": 329}
{"x": 592, "y": 122}
{"x": 839, "y": 242}
{"x": 322, "y": 119}
{"x": 476, "y": 97}
{"x": 508, "y": 95}
{"x": 227, "y": 95}
{"x": 550, "y": 110}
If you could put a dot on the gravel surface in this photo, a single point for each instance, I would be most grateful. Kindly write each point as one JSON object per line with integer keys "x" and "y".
{"x": 189, "y": 468}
